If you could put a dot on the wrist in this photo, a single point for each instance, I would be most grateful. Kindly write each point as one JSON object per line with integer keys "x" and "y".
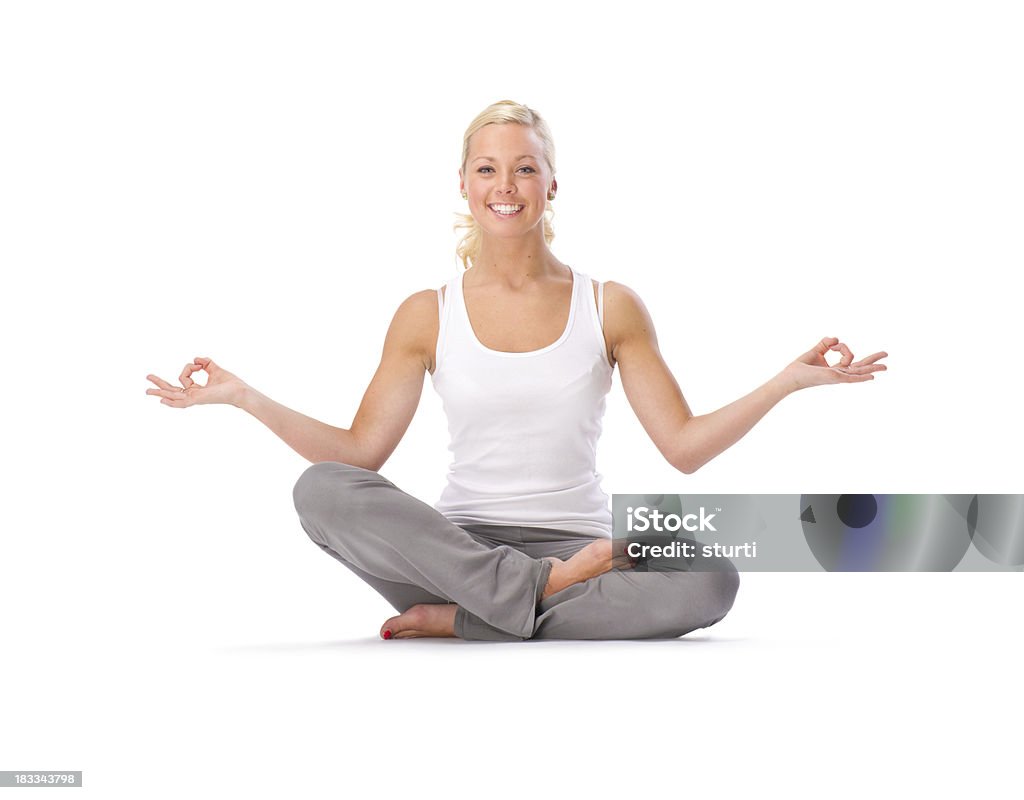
{"x": 783, "y": 384}
{"x": 245, "y": 398}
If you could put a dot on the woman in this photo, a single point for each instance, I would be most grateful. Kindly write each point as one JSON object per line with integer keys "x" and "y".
{"x": 521, "y": 348}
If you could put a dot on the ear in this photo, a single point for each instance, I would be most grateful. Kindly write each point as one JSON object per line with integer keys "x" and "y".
{"x": 462, "y": 183}
{"x": 554, "y": 185}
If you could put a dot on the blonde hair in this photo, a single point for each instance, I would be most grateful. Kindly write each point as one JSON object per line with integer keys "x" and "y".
{"x": 502, "y": 113}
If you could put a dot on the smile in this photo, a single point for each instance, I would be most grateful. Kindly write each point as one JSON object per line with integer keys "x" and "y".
{"x": 506, "y": 209}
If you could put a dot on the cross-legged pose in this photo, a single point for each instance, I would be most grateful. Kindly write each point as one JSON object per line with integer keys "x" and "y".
{"x": 521, "y": 349}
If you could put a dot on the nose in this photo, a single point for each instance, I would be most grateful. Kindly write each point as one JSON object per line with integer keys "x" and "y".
{"x": 508, "y": 185}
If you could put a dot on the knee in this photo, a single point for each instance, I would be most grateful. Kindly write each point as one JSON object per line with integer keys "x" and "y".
{"x": 697, "y": 599}
{"x": 718, "y": 594}
{"x": 323, "y": 485}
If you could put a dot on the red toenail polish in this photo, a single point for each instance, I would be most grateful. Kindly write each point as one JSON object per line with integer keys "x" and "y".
{"x": 387, "y": 634}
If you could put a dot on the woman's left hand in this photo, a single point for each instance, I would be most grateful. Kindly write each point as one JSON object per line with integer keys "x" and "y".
{"x": 811, "y": 369}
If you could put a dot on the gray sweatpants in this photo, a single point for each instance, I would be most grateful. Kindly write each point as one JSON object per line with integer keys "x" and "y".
{"x": 410, "y": 554}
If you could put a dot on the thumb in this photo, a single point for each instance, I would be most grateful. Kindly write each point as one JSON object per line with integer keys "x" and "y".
{"x": 825, "y": 344}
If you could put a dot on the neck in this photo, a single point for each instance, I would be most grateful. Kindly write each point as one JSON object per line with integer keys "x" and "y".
{"x": 514, "y": 262}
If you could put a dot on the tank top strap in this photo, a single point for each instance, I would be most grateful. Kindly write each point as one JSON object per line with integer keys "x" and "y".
{"x": 445, "y": 300}
{"x": 581, "y": 286}
{"x": 595, "y": 311}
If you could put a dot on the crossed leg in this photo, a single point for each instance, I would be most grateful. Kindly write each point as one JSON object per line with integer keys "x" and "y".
{"x": 451, "y": 581}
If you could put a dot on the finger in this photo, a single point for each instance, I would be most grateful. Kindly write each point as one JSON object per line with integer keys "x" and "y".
{"x": 186, "y": 381}
{"x": 174, "y": 393}
{"x": 847, "y": 356}
{"x": 848, "y": 377}
{"x": 159, "y": 382}
{"x": 822, "y": 347}
{"x": 859, "y": 368}
{"x": 172, "y": 404}
{"x": 204, "y": 361}
{"x": 863, "y": 370}
{"x": 873, "y": 358}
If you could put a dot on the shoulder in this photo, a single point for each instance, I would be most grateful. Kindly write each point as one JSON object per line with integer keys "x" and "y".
{"x": 415, "y": 324}
{"x": 621, "y": 299}
{"x": 624, "y": 311}
{"x": 626, "y": 318}
{"x": 417, "y": 311}
{"x": 419, "y": 304}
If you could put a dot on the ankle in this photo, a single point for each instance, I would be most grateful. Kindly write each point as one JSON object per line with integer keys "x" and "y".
{"x": 557, "y": 578}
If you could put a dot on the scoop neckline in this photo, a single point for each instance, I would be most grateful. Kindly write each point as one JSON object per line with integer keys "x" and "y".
{"x": 506, "y": 353}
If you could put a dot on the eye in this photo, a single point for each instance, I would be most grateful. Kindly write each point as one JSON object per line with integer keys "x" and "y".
{"x": 492, "y": 169}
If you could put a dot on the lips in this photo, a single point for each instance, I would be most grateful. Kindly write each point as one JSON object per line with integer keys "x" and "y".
{"x": 504, "y": 211}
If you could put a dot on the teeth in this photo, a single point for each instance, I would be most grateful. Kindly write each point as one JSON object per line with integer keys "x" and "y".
{"x": 506, "y": 209}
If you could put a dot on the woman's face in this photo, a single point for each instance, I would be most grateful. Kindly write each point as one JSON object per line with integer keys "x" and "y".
{"x": 505, "y": 171}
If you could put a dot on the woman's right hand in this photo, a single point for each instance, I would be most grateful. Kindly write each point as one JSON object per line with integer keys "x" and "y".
{"x": 222, "y": 386}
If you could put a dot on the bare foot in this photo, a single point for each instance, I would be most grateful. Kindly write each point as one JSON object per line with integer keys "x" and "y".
{"x": 595, "y": 559}
{"x": 424, "y": 619}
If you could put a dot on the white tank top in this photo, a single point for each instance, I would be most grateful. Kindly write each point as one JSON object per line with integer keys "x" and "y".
{"x": 524, "y": 426}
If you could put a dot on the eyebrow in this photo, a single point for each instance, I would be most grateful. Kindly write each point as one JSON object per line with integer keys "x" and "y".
{"x": 491, "y": 158}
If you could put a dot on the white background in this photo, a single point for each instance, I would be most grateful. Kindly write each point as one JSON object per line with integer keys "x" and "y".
{"x": 264, "y": 183}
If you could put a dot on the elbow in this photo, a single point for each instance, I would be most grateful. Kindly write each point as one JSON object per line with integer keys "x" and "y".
{"x": 372, "y": 461}
{"x": 689, "y": 462}
{"x": 685, "y": 465}
{"x": 370, "y": 464}
{"x": 684, "y": 455}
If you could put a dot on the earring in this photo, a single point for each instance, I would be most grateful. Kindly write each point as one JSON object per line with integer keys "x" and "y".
{"x": 464, "y": 196}
{"x": 551, "y": 195}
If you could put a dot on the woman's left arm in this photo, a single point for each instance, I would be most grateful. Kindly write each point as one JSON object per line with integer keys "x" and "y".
{"x": 688, "y": 442}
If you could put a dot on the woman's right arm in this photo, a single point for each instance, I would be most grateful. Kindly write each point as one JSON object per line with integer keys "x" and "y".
{"x": 383, "y": 416}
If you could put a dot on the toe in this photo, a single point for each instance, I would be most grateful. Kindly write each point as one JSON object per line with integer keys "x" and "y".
{"x": 390, "y": 627}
